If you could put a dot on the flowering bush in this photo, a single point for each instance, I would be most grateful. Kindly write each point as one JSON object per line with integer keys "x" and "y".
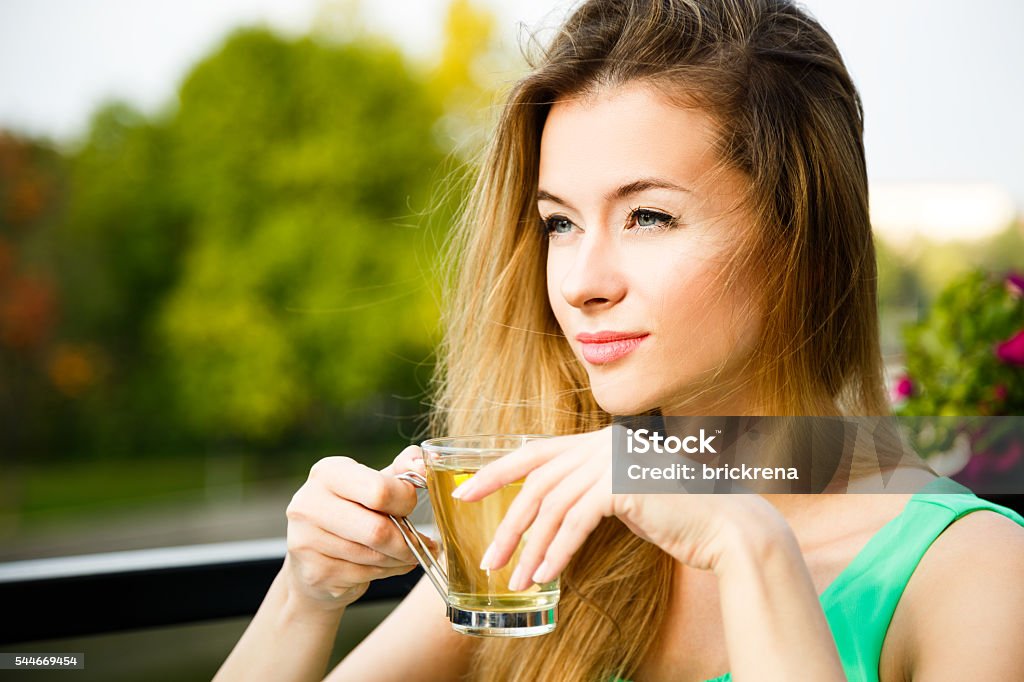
{"x": 966, "y": 358}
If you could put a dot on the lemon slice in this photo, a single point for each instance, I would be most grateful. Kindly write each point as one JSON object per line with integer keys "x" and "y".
{"x": 462, "y": 478}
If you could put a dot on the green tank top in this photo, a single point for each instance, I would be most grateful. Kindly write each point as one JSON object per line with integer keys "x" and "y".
{"x": 861, "y": 600}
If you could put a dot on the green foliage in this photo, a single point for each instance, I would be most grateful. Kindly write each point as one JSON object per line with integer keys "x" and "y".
{"x": 251, "y": 269}
{"x": 32, "y": 177}
{"x": 306, "y": 166}
{"x": 898, "y": 285}
{"x": 920, "y": 270}
{"x": 951, "y": 359}
{"x": 124, "y": 231}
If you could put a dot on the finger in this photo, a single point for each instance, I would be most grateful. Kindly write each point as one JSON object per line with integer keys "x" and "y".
{"x": 512, "y": 467}
{"x": 311, "y": 538}
{"x": 409, "y": 459}
{"x": 559, "y": 504}
{"x": 431, "y": 543}
{"x": 373, "y": 489}
{"x": 578, "y": 523}
{"x": 352, "y": 521}
{"x": 526, "y": 505}
{"x": 327, "y": 572}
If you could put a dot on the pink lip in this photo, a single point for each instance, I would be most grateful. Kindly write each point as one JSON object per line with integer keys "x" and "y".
{"x": 604, "y": 347}
{"x": 605, "y": 336}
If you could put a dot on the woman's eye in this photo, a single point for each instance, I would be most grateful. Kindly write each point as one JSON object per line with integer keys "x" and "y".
{"x": 647, "y": 218}
{"x": 644, "y": 218}
{"x": 557, "y": 225}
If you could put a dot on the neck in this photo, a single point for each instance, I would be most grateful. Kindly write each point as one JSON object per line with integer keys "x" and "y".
{"x": 802, "y": 510}
{"x": 739, "y": 398}
{"x": 708, "y": 403}
{"x": 796, "y": 507}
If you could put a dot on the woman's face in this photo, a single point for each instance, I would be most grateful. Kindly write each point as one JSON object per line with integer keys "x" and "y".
{"x": 637, "y": 248}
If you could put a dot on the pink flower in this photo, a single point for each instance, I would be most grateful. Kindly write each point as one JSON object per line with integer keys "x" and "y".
{"x": 903, "y": 388}
{"x": 1015, "y": 284}
{"x": 986, "y": 467}
{"x": 900, "y": 390}
{"x": 1000, "y": 392}
{"x": 1011, "y": 351}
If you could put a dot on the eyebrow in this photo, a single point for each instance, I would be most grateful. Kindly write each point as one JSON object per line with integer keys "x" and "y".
{"x": 635, "y": 187}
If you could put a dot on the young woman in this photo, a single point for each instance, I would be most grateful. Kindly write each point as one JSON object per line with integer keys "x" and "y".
{"x": 672, "y": 218}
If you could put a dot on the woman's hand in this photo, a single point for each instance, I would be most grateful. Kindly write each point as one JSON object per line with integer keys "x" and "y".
{"x": 339, "y": 535}
{"x": 568, "y": 490}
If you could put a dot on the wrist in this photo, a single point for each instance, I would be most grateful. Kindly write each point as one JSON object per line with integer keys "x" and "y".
{"x": 755, "y": 536}
{"x": 300, "y": 607}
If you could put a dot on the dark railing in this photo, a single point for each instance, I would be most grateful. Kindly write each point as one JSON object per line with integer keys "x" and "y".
{"x": 101, "y": 593}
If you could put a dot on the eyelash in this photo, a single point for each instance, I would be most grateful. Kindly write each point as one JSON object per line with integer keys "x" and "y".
{"x": 667, "y": 221}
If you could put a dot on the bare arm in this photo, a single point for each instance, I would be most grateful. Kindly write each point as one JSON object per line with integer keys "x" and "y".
{"x": 339, "y": 539}
{"x": 967, "y": 603}
{"x": 289, "y": 639}
{"x": 415, "y": 642}
{"x": 775, "y": 628}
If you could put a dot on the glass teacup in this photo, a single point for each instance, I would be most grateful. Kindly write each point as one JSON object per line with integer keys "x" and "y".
{"x": 479, "y": 601}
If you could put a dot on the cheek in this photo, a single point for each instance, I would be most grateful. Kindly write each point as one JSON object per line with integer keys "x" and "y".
{"x": 673, "y": 279}
{"x": 697, "y": 313}
{"x": 555, "y": 299}
{"x": 682, "y": 298}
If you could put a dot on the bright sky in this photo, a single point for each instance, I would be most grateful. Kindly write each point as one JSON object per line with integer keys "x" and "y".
{"x": 942, "y": 86}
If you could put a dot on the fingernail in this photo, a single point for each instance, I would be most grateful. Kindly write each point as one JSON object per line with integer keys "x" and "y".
{"x": 485, "y": 563}
{"x": 462, "y": 490}
{"x": 517, "y": 578}
{"x": 541, "y": 574}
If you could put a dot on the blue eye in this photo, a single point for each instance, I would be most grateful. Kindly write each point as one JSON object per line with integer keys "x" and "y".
{"x": 556, "y": 225}
{"x": 649, "y": 220}
{"x": 646, "y": 219}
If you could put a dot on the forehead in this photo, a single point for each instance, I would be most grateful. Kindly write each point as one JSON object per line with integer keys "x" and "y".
{"x": 622, "y": 133}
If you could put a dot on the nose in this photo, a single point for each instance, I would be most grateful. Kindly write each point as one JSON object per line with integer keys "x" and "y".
{"x": 595, "y": 278}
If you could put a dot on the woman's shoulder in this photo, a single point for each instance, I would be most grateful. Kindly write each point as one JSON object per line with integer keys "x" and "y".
{"x": 977, "y": 551}
{"x": 983, "y": 541}
{"x": 966, "y": 595}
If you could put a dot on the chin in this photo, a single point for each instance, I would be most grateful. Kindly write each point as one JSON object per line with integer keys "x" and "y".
{"x": 623, "y": 402}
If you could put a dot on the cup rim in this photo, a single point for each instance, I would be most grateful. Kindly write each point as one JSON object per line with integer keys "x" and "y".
{"x": 436, "y": 445}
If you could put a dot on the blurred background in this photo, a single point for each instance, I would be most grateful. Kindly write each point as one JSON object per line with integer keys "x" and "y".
{"x": 218, "y": 223}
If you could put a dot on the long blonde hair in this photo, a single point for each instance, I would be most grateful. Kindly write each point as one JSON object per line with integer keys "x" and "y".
{"x": 789, "y": 118}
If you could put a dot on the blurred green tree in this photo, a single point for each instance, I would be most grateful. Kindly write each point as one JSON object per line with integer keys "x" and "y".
{"x": 118, "y": 248}
{"x": 31, "y": 184}
{"x": 251, "y": 267}
{"x": 306, "y": 166}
